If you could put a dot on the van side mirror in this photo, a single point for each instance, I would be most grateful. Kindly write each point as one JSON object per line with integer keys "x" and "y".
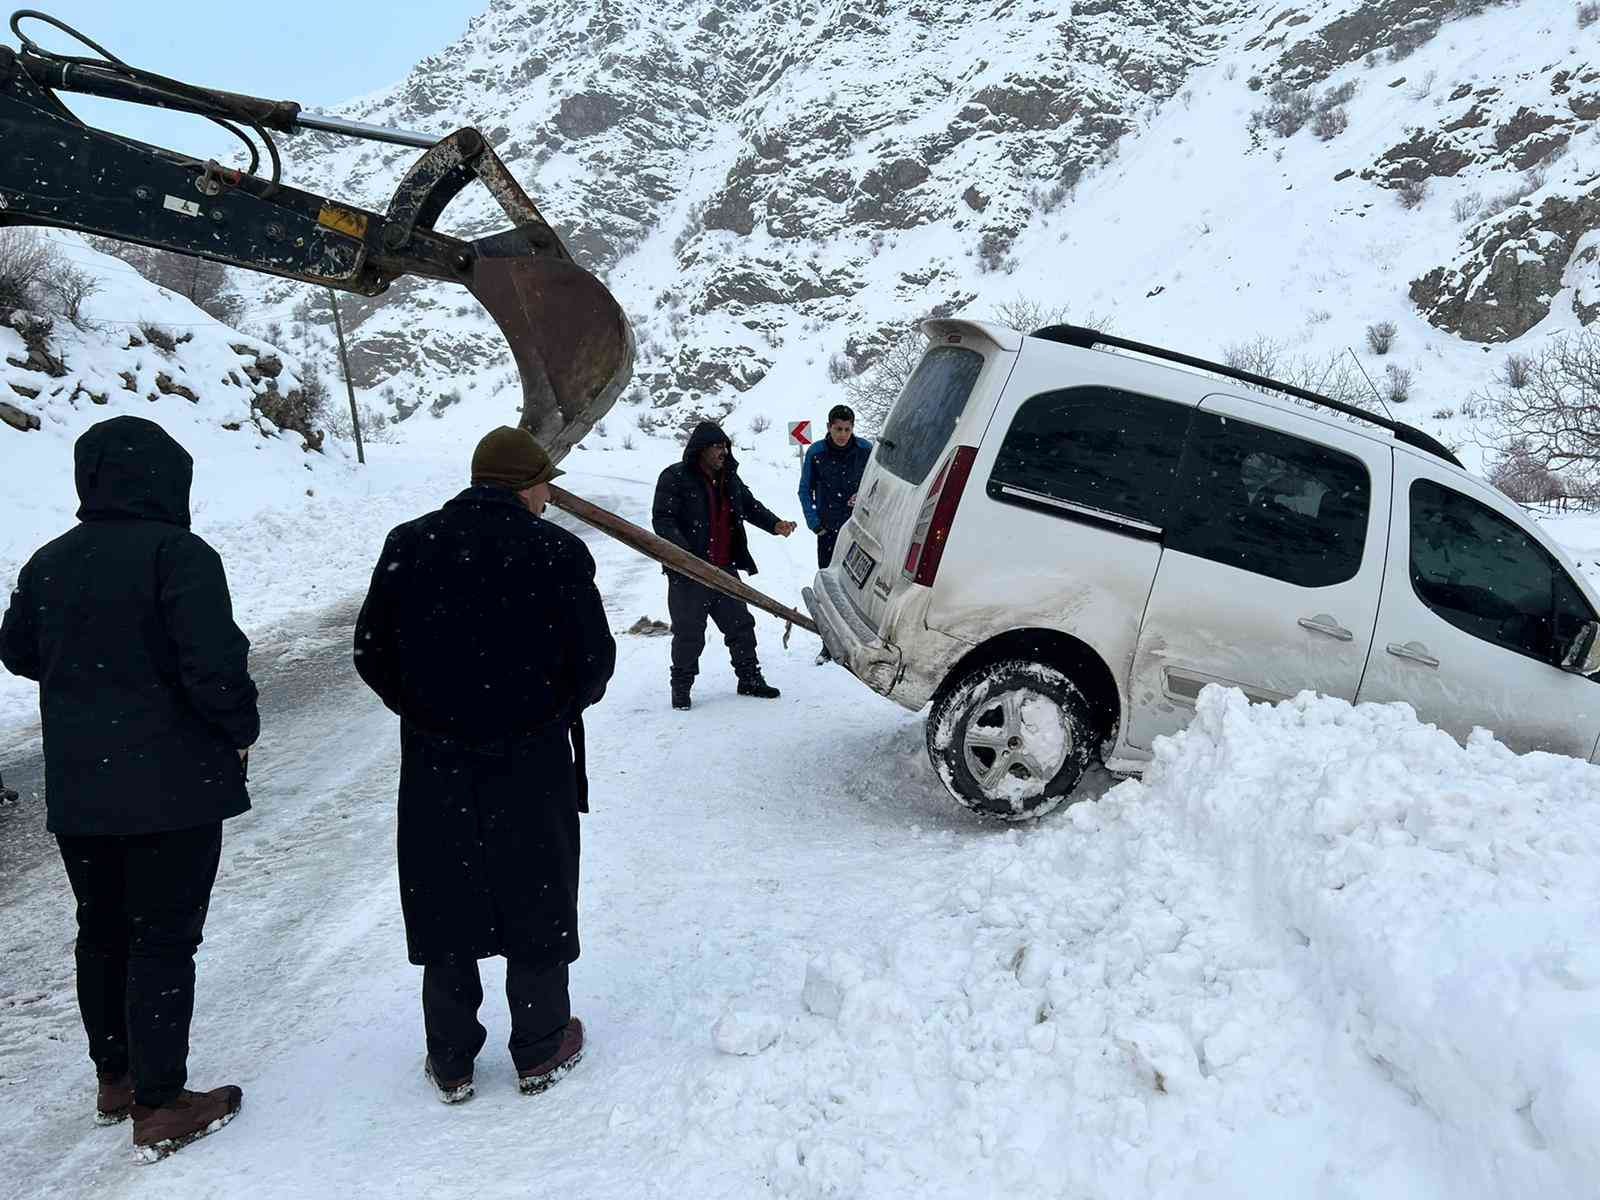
{"x": 1583, "y": 655}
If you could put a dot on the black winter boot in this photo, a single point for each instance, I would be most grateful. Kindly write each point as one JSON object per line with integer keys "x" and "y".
{"x": 755, "y": 685}
{"x": 680, "y": 696}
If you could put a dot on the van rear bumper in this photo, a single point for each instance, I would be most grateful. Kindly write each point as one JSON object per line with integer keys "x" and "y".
{"x": 853, "y": 644}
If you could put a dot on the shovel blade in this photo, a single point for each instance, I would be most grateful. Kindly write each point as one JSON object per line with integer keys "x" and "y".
{"x": 569, "y": 337}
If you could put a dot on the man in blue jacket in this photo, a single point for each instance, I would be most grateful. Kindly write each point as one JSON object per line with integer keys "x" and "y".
{"x": 830, "y": 477}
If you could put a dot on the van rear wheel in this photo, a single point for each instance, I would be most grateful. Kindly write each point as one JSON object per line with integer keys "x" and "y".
{"x": 1011, "y": 739}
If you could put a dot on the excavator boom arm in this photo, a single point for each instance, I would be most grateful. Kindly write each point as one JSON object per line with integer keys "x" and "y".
{"x": 569, "y": 338}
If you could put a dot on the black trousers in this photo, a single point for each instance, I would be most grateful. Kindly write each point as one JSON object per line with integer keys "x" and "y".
{"x": 689, "y": 604}
{"x": 142, "y": 904}
{"x": 826, "y": 541}
{"x": 451, "y": 995}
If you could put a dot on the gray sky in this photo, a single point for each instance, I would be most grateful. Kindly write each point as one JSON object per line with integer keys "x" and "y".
{"x": 316, "y": 52}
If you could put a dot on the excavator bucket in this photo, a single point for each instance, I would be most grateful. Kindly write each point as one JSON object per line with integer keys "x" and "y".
{"x": 571, "y": 342}
{"x": 568, "y": 336}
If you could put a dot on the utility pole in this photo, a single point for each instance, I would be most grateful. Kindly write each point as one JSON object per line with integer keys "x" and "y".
{"x": 344, "y": 365}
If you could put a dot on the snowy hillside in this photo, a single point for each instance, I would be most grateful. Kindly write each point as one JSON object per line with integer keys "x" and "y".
{"x": 774, "y": 190}
{"x": 141, "y": 350}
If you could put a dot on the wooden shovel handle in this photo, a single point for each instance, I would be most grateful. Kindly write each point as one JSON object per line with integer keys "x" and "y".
{"x": 673, "y": 556}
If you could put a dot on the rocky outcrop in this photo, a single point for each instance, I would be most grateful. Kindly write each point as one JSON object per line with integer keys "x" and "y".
{"x": 1518, "y": 263}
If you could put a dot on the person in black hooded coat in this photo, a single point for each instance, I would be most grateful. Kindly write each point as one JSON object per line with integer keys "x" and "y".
{"x": 702, "y": 505}
{"x": 147, "y": 711}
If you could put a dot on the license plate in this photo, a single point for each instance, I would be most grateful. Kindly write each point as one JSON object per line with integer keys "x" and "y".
{"x": 858, "y": 565}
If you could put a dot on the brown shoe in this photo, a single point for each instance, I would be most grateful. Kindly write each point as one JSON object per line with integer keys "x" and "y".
{"x": 157, "y": 1132}
{"x": 451, "y": 1091}
{"x": 114, "y": 1100}
{"x": 538, "y": 1078}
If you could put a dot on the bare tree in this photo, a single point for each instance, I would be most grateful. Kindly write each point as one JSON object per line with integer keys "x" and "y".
{"x": 873, "y": 392}
{"x": 206, "y": 284}
{"x": 1519, "y": 475}
{"x": 1025, "y": 314}
{"x": 26, "y": 262}
{"x": 1553, "y": 420}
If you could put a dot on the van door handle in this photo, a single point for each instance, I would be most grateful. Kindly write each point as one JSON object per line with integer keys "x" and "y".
{"x": 1414, "y": 652}
{"x": 1323, "y": 623}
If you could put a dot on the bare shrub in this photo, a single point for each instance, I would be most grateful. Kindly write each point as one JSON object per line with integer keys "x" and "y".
{"x": 69, "y": 288}
{"x": 1026, "y": 314}
{"x": 1554, "y": 416}
{"x": 1516, "y": 372}
{"x": 992, "y": 253}
{"x": 1509, "y": 199}
{"x": 627, "y": 441}
{"x": 1334, "y": 97}
{"x": 26, "y": 261}
{"x": 1397, "y": 384}
{"x": 1259, "y": 356}
{"x": 1412, "y": 192}
{"x": 1331, "y": 375}
{"x": 376, "y": 426}
{"x": 1467, "y": 208}
{"x": 1380, "y": 336}
{"x": 839, "y": 369}
{"x": 1288, "y": 112}
{"x": 1330, "y": 123}
{"x": 760, "y": 423}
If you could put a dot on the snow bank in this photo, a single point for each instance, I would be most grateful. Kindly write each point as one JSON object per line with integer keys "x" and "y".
{"x": 1447, "y": 900}
{"x": 1321, "y": 949}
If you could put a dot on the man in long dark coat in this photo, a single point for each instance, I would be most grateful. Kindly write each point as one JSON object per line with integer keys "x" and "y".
{"x": 147, "y": 710}
{"x": 484, "y": 631}
{"x": 702, "y": 505}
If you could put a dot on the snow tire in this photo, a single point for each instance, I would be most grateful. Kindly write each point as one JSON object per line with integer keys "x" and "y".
{"x": 1012, "y": 739}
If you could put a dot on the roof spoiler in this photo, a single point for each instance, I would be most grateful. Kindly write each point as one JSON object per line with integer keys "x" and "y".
{"x": 955, "y": 330}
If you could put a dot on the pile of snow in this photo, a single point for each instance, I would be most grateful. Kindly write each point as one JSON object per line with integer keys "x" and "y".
{"x": 1320, "y": 949}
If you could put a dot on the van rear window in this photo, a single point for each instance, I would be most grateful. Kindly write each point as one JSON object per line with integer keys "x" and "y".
{"x": 920, "y": 426}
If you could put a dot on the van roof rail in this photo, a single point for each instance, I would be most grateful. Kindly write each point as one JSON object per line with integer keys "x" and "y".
{"x": 1088, "y": 339}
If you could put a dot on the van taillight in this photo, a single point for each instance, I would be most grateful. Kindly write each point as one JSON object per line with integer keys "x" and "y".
{"x": 938, "y": 513}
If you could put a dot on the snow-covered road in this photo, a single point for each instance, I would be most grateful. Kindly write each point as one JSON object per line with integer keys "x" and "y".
{"x": 1280, "y": 966}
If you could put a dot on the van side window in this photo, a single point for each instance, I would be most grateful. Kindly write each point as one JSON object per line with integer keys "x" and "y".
{"x": 1092, "y": 448}
{"x": 1485, "y": 576}
{"x": 1270, "y": 503}
{"x": 928, "y": 411}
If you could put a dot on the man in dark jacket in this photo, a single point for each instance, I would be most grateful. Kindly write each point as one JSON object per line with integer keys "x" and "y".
{"x": 147, "y": 710}
{"x": 702, "y": 505}
{"x": 484, "y": 631}
{"x": 830, "y": 476}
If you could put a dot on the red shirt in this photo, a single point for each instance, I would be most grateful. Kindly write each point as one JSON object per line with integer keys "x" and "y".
{"x": 720, "y": 551}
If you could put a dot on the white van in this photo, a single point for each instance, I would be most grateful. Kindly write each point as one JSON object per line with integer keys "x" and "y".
{"x": 1062, "y": 537}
